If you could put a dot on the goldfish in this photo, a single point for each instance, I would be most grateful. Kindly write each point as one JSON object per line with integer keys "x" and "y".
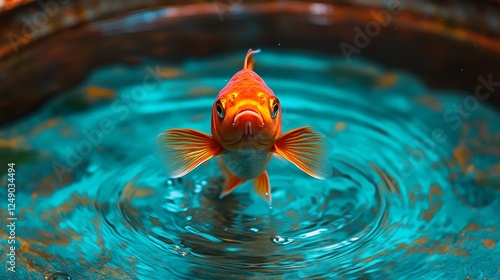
{"x": 246, "y": 126}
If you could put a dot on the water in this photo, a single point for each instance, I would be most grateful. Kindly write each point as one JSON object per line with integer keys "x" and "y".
{"x": 415, "y": 193}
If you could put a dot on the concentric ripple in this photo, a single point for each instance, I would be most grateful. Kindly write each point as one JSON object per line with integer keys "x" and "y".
{"x": 415, "y": 189}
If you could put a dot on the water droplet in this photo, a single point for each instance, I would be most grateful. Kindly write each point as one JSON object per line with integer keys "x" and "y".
{"x": 170, "y": 182}
{"x": 180, "y": 251}
{"x": 174, "y": 194}
{"x": 252, "y": 229}
{"x": 281, "y": 240}
{"x": 198, "y": 188}
{"x": 189, "y": 218}
{"x": 58, "y": 276}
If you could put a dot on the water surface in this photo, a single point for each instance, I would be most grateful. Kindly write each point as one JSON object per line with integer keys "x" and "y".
{"x": 415, "y": 193}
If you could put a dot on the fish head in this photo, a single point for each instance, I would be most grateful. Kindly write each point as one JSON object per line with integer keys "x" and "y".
{"x": 246, "y": 115}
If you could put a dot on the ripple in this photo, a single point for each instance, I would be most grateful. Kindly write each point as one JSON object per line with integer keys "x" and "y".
{"x": 400, "y": 204}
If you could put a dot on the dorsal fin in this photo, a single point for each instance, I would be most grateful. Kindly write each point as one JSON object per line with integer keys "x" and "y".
{"x": 249, "y": 60}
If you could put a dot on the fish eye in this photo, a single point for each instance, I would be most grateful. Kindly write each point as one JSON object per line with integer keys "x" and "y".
{"x": 220, "y": 111}
{"x": 275, "y": 110}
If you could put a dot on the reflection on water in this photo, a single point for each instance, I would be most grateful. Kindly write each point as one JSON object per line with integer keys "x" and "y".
{"x": 416, "y": 189}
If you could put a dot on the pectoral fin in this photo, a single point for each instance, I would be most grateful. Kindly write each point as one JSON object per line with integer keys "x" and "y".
{"x": 307, "y": 149}
{"x": 263, "y": 187}
{"x": 231, "y": 180}
{"x": 182, "y": 150}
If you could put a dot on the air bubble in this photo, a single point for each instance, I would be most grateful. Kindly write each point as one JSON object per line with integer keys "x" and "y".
{"x": 180, "y": 251}
{"x": 281, "y": 240}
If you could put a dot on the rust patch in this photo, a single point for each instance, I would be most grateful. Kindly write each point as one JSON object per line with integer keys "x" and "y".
{"x": 340, "y": 126}
{"x": 131, "y": 190}
{"x": 462, "y": 154}
{"x": 97, "y": 93}
{"x": 202, "y": 91}
{"x": 50, "y": 123}
{"x": 386, "y": 81}
{"x": 168, "y": 72}
{"x": 435, "y": 191}
{"x": 414, "y": 196}
{"x": 489, "y": 243}
{"x": 13, "y": 143}
{"x": 430, "y": 101}
{"x": 431, "y": 212}
{"x": 47, "y": 185}
{"x": 433, "y": 199}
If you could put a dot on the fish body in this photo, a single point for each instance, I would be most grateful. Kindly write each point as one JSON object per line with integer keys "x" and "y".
{"x": 246, "y": 163}
{"x": 246, "y": 130}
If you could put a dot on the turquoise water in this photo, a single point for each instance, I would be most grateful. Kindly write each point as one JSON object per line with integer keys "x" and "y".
{"x": 415, "y": 193}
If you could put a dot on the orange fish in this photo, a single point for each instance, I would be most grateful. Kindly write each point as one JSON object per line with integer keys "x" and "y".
{"x": 246, "y": 131}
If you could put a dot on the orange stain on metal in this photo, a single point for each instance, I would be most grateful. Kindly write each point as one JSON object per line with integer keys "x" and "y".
{"x": 475, "y": 227}
{"x": 447, "y": 245}
{"x": 50, "y": 123}
{"x": 435, "y": 203}
{"x": 471, "y": 227}
{"x": 462, "y": 154}
{"x": 97, "y": 93}
{"x": 386, "y": 81}
{"x": 430, "y": 101}
{"x": 67, "y": 237}
{"x": 390, "y": 184}
{"x": 483, "y": 130}
{"x": 369, "y": 259}
{"x": 431, "y": 212}
{"x": 202, "y": 91}
{"x": 14, "y": 142}
{"x": 47, "y": 185}
{"x": 414, "y": 195}
{"x": 168, "y": 72}
{"x": 131, "y": 190}
{"x": 435, "y": 191}
{"x": 489, "y": 243}
{"x": 340, "y": 126}
{"x": 66, "y": 131}
{"x": 425, "y": 246}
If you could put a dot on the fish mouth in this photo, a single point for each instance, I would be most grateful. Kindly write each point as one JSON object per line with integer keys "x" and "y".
{"x": 246, "y": 114}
